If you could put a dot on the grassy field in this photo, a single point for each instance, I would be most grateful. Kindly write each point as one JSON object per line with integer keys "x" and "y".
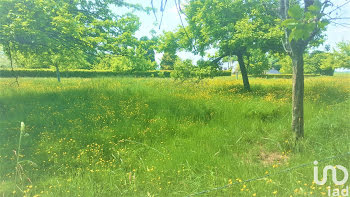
{"x": 159, "y": 137}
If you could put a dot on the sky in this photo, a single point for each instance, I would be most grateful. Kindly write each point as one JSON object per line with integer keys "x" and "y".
{"x": 336, "y": 32}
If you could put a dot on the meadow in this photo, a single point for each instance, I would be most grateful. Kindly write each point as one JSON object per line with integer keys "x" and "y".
{"x": 159, "y": 137}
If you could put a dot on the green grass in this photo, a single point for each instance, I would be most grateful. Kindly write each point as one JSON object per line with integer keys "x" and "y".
{"x": 158, "y": 137}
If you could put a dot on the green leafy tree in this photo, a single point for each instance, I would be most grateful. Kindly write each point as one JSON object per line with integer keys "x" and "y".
{"x": 149, "y": 45}
{"x": 343, "y": 55}
{"x": 235, "y": 28}
{"x": 168, "y": 61}
{"x": 328, "y": 64}
{"x": 285, "y": 62}
{"x": 304, "y": 22}
{"x": 168, "y": 44}
{"x": 66, "y": 33}
{"x": 325, "y": 62}
{"x": 320, "y": 62}
{"x": 46, "y": 30}
{"x": 257, "y": 63}
{"x": 184, "y": 70}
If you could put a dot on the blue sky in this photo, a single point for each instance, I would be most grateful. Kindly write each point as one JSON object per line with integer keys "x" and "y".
{"x": 335, "y": 33}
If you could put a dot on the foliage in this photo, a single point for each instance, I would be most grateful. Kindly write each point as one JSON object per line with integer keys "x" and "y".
{"x": 285, "y": 63}
{"x": 168, "y": 44}
{"x": 257, "y": 63}
{"x": 328, "y": 64}
{"x": 168, "y": 61}
{"x": 343, "y": 55}
{"x": 82, "y": 73}
{"x": 234, "y": 28}
{"x": 70, "y": 34}
{"x": 206, "y": 68}
{"x": 317, "y": 62}
{"x": 313, "y": 61}
{"x": 184, "y": 70}
{"x": 320, "y": 62}
{"x": 115, "y": 63}
{"x": 302, "y": 23}
{"x": 284, "y": 76}
{"x": 149, "y": 46}
{"x": 51, "y": 35}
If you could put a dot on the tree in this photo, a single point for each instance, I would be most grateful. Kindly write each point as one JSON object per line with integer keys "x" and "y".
{"x": 312, "y": 62}
{"x": 257, "y": 63}
{"x": 45, "y": 29}
{"x": 149, "y": 45}
{"x": 168, "y": 44}
{"x": 168, "y": 61}
{"x": 63, "y": 32}
{"x": 343, "y": 55}
{"x": 185, "y": 70}
{"x": 235, "y": 28}
{"x": 303, "y": 24}
{"x": 318, "y": 62}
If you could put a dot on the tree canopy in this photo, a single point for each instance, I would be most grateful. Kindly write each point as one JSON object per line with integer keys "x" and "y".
{"x": 234, "y": 28}
{"x": 63, "y": 33}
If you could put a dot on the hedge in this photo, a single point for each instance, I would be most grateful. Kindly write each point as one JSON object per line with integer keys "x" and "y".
{"x": 224, "y": 73}
{"x": 284, "y": 76}
{"x": 7, "y": 73}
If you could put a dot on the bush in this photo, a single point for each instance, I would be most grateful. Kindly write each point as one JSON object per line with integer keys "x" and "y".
{"x": 206, "y": 68}
{"x": 114, "y": 63}
{"x": 119, "y": 63}
{"x": 327, "y": 71}
{"x": 284, "y": 76}
{"x": 50, "y": 73}
{"x": 185, "y": 70}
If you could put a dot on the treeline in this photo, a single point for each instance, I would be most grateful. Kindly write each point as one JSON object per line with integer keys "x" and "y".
{"x": 82, "y": 73}
{"x": 83, "y": 34}
{"x": 317, "y": 61}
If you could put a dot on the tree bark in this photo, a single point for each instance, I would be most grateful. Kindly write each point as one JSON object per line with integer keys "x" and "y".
{"x": 298, "y": 93}
{"x": 243, "y": 72}
{"x": 58, "y": 73}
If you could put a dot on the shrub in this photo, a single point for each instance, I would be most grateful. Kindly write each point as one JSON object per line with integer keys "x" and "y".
{"x": 284, "y": 76}
{"x": 119, "y": 63}
{"x": 184, "y": 70}
{"x": 7, "y": 73}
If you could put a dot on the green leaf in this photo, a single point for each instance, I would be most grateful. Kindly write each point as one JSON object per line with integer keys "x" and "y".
{"x": 322, "y": 24}
{"x": 289, "y": 22}
{"x": 296, "y": 12}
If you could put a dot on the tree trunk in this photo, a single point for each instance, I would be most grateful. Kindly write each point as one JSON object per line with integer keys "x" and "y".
{"x": 58, "y": 74}
{"x": 11, "y": 63}
{"x": 244, "y": 72}
{"x": 298, "y": 93}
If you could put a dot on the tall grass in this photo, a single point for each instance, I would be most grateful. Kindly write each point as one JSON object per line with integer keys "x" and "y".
{"x": 145, "y": 137}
